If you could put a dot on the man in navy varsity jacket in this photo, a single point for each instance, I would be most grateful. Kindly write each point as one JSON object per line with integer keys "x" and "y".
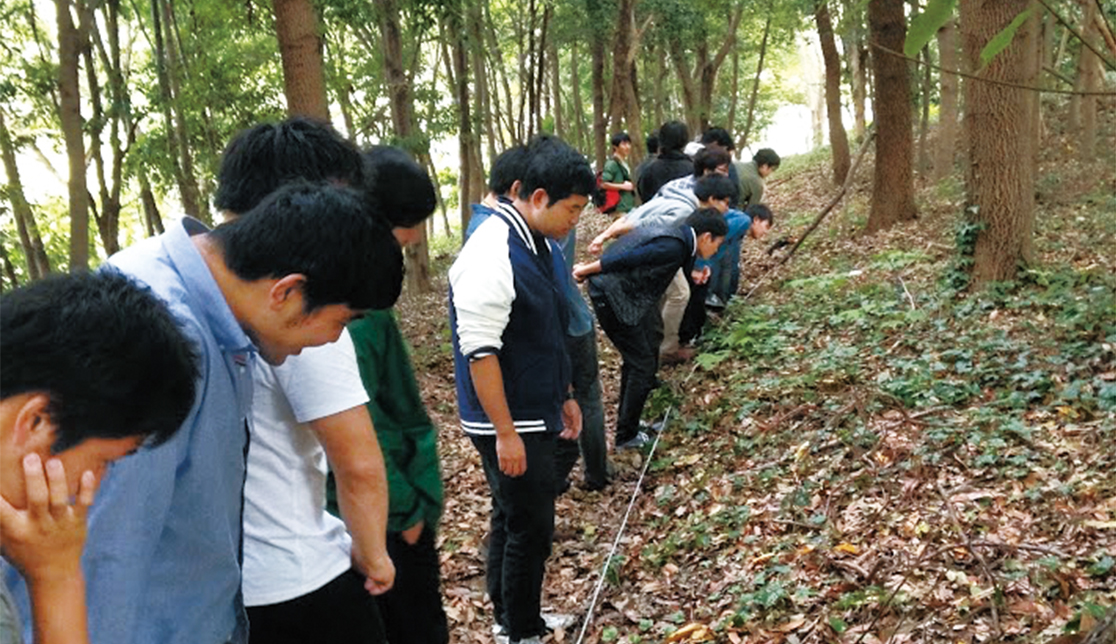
{"x": 508, "y": 316}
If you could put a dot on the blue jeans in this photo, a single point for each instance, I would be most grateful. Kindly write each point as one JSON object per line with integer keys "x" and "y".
{"x": 587, "y": 391}
{"x": 522, "y": 528}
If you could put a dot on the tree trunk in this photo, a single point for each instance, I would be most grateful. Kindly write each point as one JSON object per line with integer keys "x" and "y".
{"x": 300, "y": 47}
{"x": 1089, "y": 74}
{"x": 166, "y": 96}
{"x": 70, "y": 43}
{"x": 893, "y": 187}
{"x": 838, "y": 139}
{"x": 556, "y": 89}
{"x": 621, "y": 51}
{"x": 467, "y": 139}
{"x": 947, "y": 109}
{"x": 482, "y": 110}
{"x": 416, "y": 256}
{"x": 191, "y": 194}
{"x": 858, "y": 70}
{"x": 1000, "y": 188}
{"x": 600, "y": 132}
{"x": 742, "y": 143}
{"x": 38, "y": 264}
{"x": 579, "y": 107}
{"x": 152, "y": 221}
{"x": 734, "y": 93}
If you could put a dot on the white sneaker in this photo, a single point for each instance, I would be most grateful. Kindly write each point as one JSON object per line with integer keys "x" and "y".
{"x": 554, "y": 621}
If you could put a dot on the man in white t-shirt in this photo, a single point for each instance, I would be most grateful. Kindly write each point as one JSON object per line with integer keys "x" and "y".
{"x": 305, "y": 578}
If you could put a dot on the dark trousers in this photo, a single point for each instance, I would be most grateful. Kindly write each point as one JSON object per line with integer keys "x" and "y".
{"x": 522, "y": 528}
{"x": 638, "y": 345}
{"x": 412, "y": 609}
{"x": 341, "y": 612}
{"x": 694, "y": 319}
{"x": 587, "y": 391}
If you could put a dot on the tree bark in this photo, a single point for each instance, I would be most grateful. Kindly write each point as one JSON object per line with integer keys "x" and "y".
{"x": 1089, "y": 74}
{"x": 166, "y": 96}
{"x": 579, "y": 107}
{"x": 300, "y": 47}
{"x": 947, "y": 109}
{"x": 1000, "y": 188}
{"x": 742, "y": 143}
{"x": 838, "y": 139}
{"x": 556, "y": 89}
{"x": 893, "y": 186}
{"x": 468, "y": 144}
{"x": 70, "y": 43}
{"x": 38, "y": 264}
{"x": 600, "y": 132}
{"x": 858, "y": 70}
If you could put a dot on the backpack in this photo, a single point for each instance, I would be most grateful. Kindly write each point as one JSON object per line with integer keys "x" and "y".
{"x": 605, "y": 200}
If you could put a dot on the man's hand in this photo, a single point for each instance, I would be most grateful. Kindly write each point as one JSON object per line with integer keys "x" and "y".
{"x": 45, "y": 540}
{"x": 411, "y": 535}
{"x": 580, "y": 272}
{"x": 597, "y": 245}
{"x": 571, "y": 420}
{"x": 627, "y": 186}
{"x": 701, "y": 276}
{"x": 512, "y": 454}
{"x": 378, "y": 570}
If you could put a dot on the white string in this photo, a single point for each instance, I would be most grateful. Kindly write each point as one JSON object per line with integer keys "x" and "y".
{"x": 623, "y": 524}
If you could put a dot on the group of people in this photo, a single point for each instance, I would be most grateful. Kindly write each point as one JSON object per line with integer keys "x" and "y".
{"x": 277, "y": 473}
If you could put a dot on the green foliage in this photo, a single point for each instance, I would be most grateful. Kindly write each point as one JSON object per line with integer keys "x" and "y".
{"x": 1000, "y": 41}
{"x": 925, "y": 25}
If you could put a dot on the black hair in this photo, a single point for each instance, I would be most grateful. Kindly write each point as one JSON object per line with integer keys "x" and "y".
{"x": 714, "y": 186}
{"x": 397, "y": 187}
{"x": 507, "y": 168}
{"x": 105, "y": 351}
{"x": 260, "y": 159}
{"x": 321, "y": 231}
{"x": 619, "y": 138}
{"x": 652, "y": 142}
{"x": 552, "y": 165}
{"x": 707, "y": 220}
{"x": 707, "y": 160}
{"x": 673, "y": 136}
{"x": 761, "y": 212}
{"x": 766, "y": 156}
{"x": 718, "y": 135}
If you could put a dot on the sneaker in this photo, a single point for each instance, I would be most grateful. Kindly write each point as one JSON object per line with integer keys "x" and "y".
{"x": 651, "y": 427}
{"x": 636, "y": 442}
{"x": 530, "y": 640}
{"x": 554, "y": 621}
{"x": 714, "y": 301}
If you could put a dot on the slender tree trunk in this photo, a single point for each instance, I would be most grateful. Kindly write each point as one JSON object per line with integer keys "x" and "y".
{"x": 540, "y": 68}
{"x": 858, "y": 70}
{"x": 743, "y": 141}
{"x": 600, "y": 131}
{"x": 924, "y": 117}
{"x": 893, "y": 187}
{"x": 556, "y": 89}
{"x": 191, "y": 194}
{"x": 579, "y": 107}
{"x": 621, "y": 49}
{"x": 468, "y": 144}
{"x": 483, "y": 110}
{"x": 10, "y": 279}
{"x": 1089, "y": 74}
{"x": 947, "y": 109}
{"x": 300, "y": 47}
{"x": 189, "y": 203}
{"x": 734, "y": 94}
{"x": 152, "y": 221}
{"x": 838, "y": 139}
{"x": 1000, "y": 188}
{"x": 38, "y": 264}
{"x": 70, "y": 43}
{"x": 660, "y": 75}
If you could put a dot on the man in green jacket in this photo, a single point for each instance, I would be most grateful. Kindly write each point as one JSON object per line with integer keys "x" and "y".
{"x": 753, "y": 174}
{"x": 401, "y": 191}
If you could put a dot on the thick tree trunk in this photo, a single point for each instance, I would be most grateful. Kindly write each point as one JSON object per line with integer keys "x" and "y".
{"x": 838, "y": 139}
{"x": 742, "y": 142}
{"x": 70, "y": 43}
{"x": 947, "y": 109}
{"x": 621, "y": 52}
{"x": 300, "y": 47}
{"x": 1000, "y": 188}
{"x": 1089, "y": 74}
{"x": 38, "y": 264}
{"x": 893, "y": 186}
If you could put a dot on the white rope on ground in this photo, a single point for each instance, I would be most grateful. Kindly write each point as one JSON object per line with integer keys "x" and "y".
{"x": 620, "y": 533}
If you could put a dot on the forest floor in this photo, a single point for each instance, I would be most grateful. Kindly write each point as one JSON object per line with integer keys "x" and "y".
{"x": 864, "y": 451}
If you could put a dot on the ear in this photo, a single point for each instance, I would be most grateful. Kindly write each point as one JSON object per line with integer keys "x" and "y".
{"x": 285, "y": 290}
{"x": 33, "y": 428}
{"x": 539, "y": 199}
{"x": 514, "y": 189}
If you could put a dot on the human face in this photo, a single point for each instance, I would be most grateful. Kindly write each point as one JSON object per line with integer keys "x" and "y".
{"x": 408, "y": 236}
{"x": 555, "y": 220}
{"x": 720, "y": 205}
{"x": 759, "y": 228}
{"x": 279, "y": 337}
{"x": 37, "y": 434}
{"x": 624, "y": 149}
{"x": 722, "y": 170}
{"x": 765, "y": 170}
{"x": 707, "y": 245}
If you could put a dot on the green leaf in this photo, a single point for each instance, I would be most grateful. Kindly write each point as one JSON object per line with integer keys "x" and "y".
{"x": 838, "y": 625}
{"x": 610, "y": 634}
{"x": 1102, "y": 567}
{"x": 1001, "y": 40}
{"x": 926, "y": 24}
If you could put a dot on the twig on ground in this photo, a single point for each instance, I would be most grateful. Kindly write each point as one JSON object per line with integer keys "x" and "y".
{"x": 980, "y": 558}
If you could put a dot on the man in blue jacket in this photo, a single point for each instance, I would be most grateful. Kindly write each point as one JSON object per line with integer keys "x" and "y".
{"x": 508, "y": 317}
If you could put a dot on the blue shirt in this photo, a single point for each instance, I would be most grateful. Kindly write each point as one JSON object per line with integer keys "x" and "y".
{"x": 738, "y": 225}
{"x": 581, "y": 318}
{"x": 162, "y": 559}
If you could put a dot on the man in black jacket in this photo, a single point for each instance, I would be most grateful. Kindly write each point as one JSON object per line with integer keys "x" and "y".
{"x": 625, "y": 286}
{"x": 671, "y": 163}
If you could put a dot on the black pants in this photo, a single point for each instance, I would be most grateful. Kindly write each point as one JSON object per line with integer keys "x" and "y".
{"x": 638, "y": 345}
{"x": 694, "y": 319}
{"x": 522, "y": 527}
{"x": 412, "y": 609}
{"x": 341, "y": 612}
{"x": 590, "y": 444}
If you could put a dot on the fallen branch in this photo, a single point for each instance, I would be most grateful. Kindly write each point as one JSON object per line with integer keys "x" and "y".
{"x": 980, "y": 558}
